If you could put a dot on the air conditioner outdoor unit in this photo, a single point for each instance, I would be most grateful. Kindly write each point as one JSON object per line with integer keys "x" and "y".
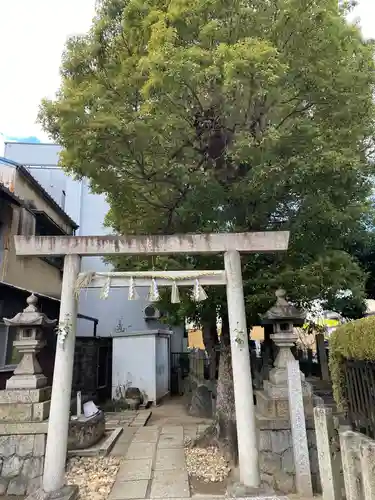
{"x": 151, "y": 312}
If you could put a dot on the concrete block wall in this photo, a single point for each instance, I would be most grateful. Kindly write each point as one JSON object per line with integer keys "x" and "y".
{"x": 21, "y": 463}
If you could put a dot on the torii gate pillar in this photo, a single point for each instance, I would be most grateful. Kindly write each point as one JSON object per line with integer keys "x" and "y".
{"x": 242, "y": 382}
{"x": 58, "y": 425}
{"x": 73, "y": 247}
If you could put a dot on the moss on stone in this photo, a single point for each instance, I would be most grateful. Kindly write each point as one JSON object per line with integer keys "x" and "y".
{"x": 354, "y": 340}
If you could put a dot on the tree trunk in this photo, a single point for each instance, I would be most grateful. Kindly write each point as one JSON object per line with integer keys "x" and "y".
{"x": 223, "y": 432}
{"x": 225, "y": 418}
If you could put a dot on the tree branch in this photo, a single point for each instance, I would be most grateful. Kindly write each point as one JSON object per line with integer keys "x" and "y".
{"x": 153, "y": 204}
{"x": 294, "y": 112}
{"x": 195, "y": 96}
{"x": 179, "y": 106}
{"x": 181, "y": 198}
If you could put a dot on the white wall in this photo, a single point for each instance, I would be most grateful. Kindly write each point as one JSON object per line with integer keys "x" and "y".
{"x": 134, "y": 364}
{"x": 162, "y": 366}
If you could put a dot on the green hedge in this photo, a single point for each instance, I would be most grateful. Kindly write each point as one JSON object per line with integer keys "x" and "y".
{"x": 354, "y": 340}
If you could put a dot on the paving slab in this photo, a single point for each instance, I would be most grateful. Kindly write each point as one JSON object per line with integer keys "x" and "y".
{"x": 127, "y": 434}
{"x": 269, "y": 497}
{"x": 170, "y": 484}
{"x": 170, "y": 459}
{"x": 123, "y": 490}
{"x": 172, "y": 429}
{"x": 120, "y": 449}
{"x": 122, "y": 414}
{"x": 171, "y": 441}
{"x": 12, "y": 497}
{"x": 144, "y": 435}
{"x": 135, "y": 470}
{"x": 140, "y": 450}
{"x": 152, "y": 428}
{"x": 190, "y": 429}
{"x": 142, "y": 418}
{"x": 202, "y": 428}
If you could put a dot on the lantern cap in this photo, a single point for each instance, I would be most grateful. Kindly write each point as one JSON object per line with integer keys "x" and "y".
{"x": 30, "y": 316}
{"x": 283, "y": 311}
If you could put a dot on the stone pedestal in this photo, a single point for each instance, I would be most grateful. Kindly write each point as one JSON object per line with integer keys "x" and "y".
{"x": 273, "y": 400}
{"x": 28, "y": 374}
{"x": 278, "y": 407}
{"x": 25, "y": 405}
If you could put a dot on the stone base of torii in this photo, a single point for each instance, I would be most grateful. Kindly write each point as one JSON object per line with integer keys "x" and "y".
{"x": 73, "y": 249}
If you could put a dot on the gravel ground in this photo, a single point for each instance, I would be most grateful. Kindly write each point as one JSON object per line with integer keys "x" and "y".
{"x": 206, "y": 464}
{"x": 93, "y": 476}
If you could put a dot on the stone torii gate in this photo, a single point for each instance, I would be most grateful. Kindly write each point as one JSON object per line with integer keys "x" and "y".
{"x": 73, "y": 248}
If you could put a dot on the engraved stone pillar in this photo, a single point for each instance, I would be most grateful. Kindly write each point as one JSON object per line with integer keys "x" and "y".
{"x": 299, "y": 435}
{"x": 328, "y": 454}
{"x": 367, "y": 461}
{"x": 350, "y": 451}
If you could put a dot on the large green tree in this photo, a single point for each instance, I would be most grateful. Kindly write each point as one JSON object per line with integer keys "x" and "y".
{"x": 236, "y": 115}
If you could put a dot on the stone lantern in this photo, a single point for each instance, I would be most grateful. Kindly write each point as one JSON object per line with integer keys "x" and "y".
{"x": 283, "y": 317}
{"x": 29, "y": 341}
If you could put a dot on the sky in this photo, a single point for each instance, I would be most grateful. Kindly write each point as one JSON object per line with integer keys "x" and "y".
{"x": 32, "y": 38}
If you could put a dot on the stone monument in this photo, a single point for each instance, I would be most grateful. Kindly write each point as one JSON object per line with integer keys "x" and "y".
{"x": 273, "y": 413}
{"x": 24, "y": 407}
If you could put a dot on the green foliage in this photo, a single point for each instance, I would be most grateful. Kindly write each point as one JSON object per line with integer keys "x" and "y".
{"x": 364, "y": 250}
{"x": 207, "y": 116}
{"x": 354, "y": 340}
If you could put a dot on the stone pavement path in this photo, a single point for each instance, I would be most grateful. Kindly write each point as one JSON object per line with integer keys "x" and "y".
{"x": 154, "y": 464}
{"x": 153, "y": 458}
{"x": 127, "y": 418}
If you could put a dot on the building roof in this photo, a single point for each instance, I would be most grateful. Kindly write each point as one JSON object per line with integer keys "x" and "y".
{"x": 48, "y": 198}
{"x": 10, "y": 197}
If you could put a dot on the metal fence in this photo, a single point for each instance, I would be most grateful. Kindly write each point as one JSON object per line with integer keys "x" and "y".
{"x": 360, "y": 395}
